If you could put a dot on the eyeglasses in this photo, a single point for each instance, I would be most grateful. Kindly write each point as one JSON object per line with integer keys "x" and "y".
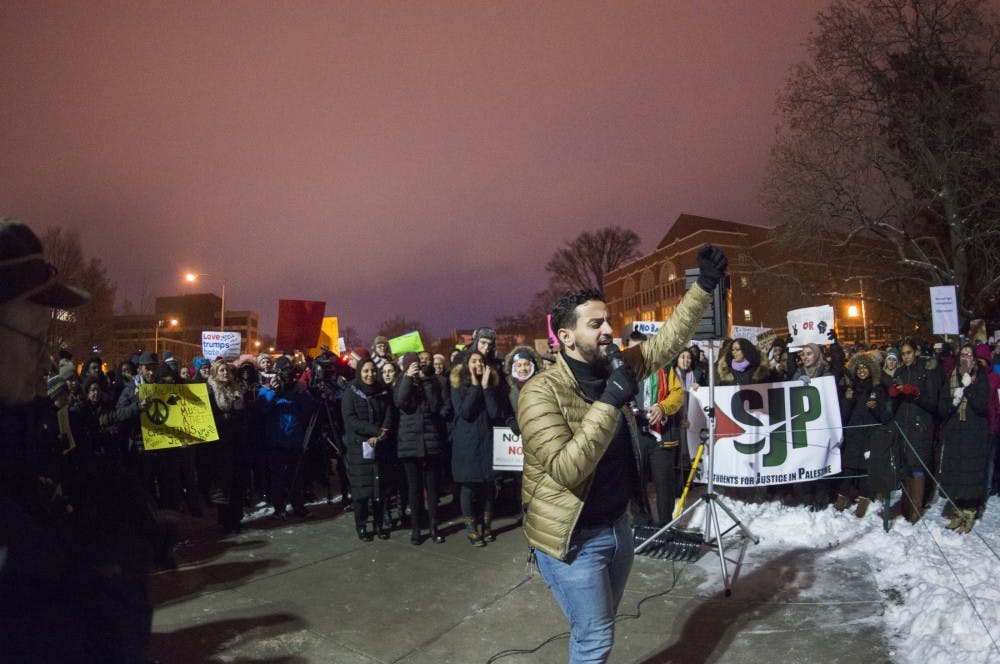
{"x": 965, "y": 354}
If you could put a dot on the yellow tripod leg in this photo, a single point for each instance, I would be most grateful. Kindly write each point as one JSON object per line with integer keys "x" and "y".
{"x": 687, "y": 485}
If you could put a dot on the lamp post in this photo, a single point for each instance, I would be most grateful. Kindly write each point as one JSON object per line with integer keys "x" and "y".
{"x": 173, "y": 322}
{"x": 191, "y": 277}
{"x": 852, "y": 311}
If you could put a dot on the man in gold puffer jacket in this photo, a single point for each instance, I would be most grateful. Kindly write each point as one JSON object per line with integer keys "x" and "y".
{"x": 581, "y": 455}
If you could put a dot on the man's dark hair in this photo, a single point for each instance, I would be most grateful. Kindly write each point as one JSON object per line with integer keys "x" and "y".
{"x": 564, "y": 311}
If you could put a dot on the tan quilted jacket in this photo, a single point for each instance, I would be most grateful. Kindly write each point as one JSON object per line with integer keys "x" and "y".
{"x": 564, "y": 436}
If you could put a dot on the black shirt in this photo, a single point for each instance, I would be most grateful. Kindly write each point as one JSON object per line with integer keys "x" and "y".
{"x": 613, "y": 478}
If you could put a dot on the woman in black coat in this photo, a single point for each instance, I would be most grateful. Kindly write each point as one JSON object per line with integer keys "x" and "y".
{"x": 227, "y": 459}
{"x": 476, "y": 400}
{"x": 964, "y": 405}
{"x": 867, "y": 457}
{"x": 368, "y": 413}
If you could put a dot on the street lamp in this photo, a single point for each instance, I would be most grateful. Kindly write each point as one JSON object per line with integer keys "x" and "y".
{"x": 172, "y": 322}
{"x": 852, "y": 310}
{"x": 191, "y": 277}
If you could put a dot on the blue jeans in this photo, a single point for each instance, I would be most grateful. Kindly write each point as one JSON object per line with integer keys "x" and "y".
{"x": 589, "y": 586}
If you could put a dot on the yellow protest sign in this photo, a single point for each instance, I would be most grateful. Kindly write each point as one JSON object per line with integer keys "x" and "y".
{"x": 406, "y": 343}
{"x": 329, "y": 332}
{"x": 176, "y": 415}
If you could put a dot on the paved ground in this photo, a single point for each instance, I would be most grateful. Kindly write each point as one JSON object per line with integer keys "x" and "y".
{"x": 310, "y": 591}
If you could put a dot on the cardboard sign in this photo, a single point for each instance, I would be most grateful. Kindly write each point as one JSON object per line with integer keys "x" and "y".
{"x": 771, "y": 433}
{"x": 810, "y": 326}
{"x": 220, "y": 344}
{"x": 176, "y": 415}
{"x": 944, "y": 309}
{"x": 647, "y": 327}
{"x": 299, "y": 323}
{"x": 507, "y": 451}
{"x": 406, "y": 343}
{"x": 329, "y": 336}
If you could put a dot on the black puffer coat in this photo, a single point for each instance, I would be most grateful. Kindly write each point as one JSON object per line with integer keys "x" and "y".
{"x": 367, "y": 411}
{"x": 421, "y": 418}
{"x": 965, "y": 438}
{"x": 866, "y": 429}
{"x": 915, "y": 415}
{"x": 472, "y": 435}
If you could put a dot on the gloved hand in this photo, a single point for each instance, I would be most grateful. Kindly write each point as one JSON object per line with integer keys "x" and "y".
{"x": 712, "y": 265}
{"x": 910, "y": 390}
{"x": 894, "y": 391}
{"x": 620, "y": 388}
{"x": 805, "y": 379}
{"x": 832, "y": 335}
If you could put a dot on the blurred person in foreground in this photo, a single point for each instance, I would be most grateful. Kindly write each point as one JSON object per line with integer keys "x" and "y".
{"x": 72, "y": 575}
{"x": 581, "y": 455}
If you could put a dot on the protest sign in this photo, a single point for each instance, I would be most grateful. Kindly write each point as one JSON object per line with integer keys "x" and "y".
{"x": 747, "y": 332}
{"x": 944, "y": 309}
{"x": 810, "y": 326}
{"x": 406, "y": 343}
{"x": 647, "y": 327}
{"x": 220, "y": 344}
{"x": 507, "y": 451}
{"x": 299, "y": 323}
{"x": 771, "y": 433}
{"x": 176, "y": 414}
{"x": 329, "y": 334}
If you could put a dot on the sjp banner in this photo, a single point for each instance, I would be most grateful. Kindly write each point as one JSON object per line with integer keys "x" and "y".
{"x": 771, "y": 433}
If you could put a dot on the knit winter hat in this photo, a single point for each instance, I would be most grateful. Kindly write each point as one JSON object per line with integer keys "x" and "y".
{"x": 892, "y": 352}
{"x": 380, "y": 340}
{"x": 198, "y": 362}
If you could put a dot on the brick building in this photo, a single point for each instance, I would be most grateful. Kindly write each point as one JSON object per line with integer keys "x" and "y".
{"x": 649, "y": 288}
{"x": 176, "y": 326}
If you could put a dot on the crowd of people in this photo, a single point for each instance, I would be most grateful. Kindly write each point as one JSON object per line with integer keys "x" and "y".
{"x": 397, "y": 433}
{"x": 920, "y": 416}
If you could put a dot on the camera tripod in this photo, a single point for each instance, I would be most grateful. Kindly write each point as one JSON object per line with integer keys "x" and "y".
{"x": 709, "y": 498}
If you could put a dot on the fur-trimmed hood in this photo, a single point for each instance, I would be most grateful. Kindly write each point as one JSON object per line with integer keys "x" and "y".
{"x": 761, "y": 373}
{"x": 517, "y": 351}
{"x": 871, "y": 359}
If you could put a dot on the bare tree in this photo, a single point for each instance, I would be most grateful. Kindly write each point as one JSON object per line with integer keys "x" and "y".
{"x": 887, "y": 165}
{"x": 397, "y": 325}
{"x": 90, "y": 325}
{"x": 584, "y": 261}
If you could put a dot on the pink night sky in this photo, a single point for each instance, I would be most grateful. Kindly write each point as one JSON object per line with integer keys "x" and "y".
{"x": 421, "y": 159}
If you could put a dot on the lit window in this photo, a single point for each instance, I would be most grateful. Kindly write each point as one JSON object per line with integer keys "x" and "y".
{"x": 747, "y": 316}
{"x": 744, "y": 281}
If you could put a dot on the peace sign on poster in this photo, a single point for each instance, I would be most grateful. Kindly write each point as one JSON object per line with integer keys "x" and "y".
{"x": 176, "y": 415}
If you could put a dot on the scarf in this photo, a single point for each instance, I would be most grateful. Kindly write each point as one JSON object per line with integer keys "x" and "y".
{"x": 740, "y": 366}
{"x": 957, "y": 384}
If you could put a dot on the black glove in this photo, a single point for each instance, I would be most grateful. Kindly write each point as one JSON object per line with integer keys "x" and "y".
{"x": 712, "y": 265}
{"x": 620, "y": 388}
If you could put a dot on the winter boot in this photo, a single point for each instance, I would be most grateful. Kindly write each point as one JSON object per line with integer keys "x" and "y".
{"x": 862, "y": 507}
{"x": 488, "y": 527}
{"x": 842, "y": 502}
{"x": 913, "y": 497}
{"x": 968, "y": 520}
{"x": 472, "y": 532}
{"x": 436, "y": 535}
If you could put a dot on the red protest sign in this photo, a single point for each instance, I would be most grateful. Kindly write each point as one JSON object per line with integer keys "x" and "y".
{"x": 299, "y": 323}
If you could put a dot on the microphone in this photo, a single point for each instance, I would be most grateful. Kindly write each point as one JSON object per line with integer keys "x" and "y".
{"x": 615, "y": 357}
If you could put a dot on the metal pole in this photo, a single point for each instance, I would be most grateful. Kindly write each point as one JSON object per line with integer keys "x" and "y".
{"x": 222, "y": 314}
{"x": 156, "y": 337}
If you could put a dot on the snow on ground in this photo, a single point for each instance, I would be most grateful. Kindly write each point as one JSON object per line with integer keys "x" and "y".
{"x": 942, "y": 589}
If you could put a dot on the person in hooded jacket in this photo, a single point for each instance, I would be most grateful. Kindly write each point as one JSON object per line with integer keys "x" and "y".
{"x": 475, "y": 399}
{"x": 964, "y": 407}
{"x": 421, "y": 446}
{"x": 369, "y": 417}
{"x": 286, "y": 406}
{"x": 915, "y": 395}
{"x": 867, "y": 459}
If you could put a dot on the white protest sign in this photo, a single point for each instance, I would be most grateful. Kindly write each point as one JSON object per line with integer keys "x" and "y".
{"x": 944, "y": 309}
{"x": 647, "y": 327}
{"x": 507, "y": 451}
{"x": 810, "y": 326}
{"x": 771, "y": 433}
{"x": 748, "y": 333}
{"x": 220, "y": 344}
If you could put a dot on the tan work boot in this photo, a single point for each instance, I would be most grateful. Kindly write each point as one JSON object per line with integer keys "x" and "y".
{"x": 862, "y": 507}
{"x": 913, "y": 498}
{"x": 841, "y": 503}
{"x": 968, "y": 520}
